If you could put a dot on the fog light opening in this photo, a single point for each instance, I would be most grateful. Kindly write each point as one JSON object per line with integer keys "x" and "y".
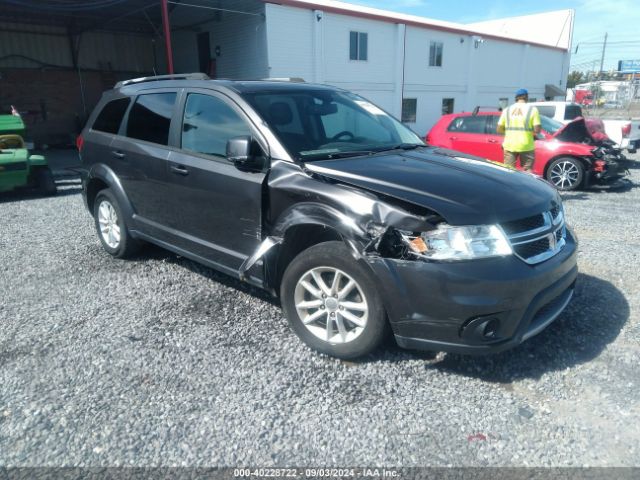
{"x": 491, "y": 328}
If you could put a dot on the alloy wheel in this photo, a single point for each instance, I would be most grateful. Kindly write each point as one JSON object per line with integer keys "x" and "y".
{"x": 331, "y": 305}
{"x": 565, "y": 175}
{"x": 108, "y": 221}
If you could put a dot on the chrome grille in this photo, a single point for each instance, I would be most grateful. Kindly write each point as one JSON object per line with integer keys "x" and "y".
{"x": 539, "y": 237}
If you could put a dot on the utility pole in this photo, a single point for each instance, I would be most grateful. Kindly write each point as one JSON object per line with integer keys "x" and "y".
{"x": 604, "y": 47}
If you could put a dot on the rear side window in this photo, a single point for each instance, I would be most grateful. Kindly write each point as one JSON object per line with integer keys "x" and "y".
{"x": 572, "y": 111}
{"x": 208, "y": 124}
{"x": 472, "y": 124}
{"x": 111, "y": 116}
{"x": 546, "y": 110}
{"x": 150, "y": 117}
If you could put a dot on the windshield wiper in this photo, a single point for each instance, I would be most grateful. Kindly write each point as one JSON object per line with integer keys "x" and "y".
{"x": 360, "y": 153}
{"x": 401, "y": 146}
{"x": 333, "y": 155}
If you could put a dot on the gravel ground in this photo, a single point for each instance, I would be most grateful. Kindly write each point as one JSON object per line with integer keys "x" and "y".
{"x": 159, "y": 361}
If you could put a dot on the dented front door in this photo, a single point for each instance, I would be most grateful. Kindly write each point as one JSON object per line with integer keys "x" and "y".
{"x": 215, "y": 207}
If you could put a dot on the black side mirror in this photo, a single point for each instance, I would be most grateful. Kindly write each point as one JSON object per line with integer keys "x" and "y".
{"x": 239, "y": 149}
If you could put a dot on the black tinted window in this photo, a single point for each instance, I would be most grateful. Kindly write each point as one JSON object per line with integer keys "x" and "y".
{"x": 150, "y": 117}
{"x": 471, "y": 124}
{"x": 110, "y": 117}
{"x": 572, "y": 111}
{"x": 209, "y": 123}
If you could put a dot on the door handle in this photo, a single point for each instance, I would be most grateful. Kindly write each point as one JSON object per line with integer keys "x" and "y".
{"x": 453, "y": 138}
{"x": 179, "y": 169}
{"x": 491, "y": 140}
{"x": 118, "y": 154}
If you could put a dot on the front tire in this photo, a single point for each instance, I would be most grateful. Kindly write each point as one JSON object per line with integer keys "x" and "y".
{"x": 331, "y": 302}
{"x": 111, "y": 227}
{"x": 565, "y": 173}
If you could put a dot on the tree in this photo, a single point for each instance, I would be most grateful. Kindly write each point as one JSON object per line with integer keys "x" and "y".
{"x": 574, "y": 79}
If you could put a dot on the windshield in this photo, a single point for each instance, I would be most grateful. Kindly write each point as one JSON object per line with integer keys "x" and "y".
{"x": 550, "y": 125}
{"x": 323, "y": 124}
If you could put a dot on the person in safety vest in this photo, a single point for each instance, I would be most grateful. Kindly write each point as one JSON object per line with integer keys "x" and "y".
{"x": 519, "y": 123}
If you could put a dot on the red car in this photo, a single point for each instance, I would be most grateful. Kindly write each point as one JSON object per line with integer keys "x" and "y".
{"x": 566, "y": 155}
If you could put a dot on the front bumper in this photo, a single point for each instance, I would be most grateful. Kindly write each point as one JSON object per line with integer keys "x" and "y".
{"x": 614, "y": 171}
{"x": 475, "y": 307}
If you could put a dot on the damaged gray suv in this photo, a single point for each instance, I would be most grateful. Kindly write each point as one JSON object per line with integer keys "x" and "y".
{"x": 323, "y": 199}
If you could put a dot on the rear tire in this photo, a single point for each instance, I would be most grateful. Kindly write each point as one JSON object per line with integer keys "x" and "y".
{"x": 44, "y": 182}
{"x": 111, "y": 227}
{"x": 565, "y": 173}
{"x": 331, "y": 302}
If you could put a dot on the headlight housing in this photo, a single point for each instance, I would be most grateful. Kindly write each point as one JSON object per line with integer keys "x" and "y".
{"x": 460, "y": 243}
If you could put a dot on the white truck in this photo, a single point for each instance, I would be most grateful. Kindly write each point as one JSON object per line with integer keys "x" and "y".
{"x": 625, "y": 133}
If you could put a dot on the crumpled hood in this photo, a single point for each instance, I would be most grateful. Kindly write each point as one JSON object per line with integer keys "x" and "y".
{"x": 465, "y": 190}
{"x": 574, "y": 131}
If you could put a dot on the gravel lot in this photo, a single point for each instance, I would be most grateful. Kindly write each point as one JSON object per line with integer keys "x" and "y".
{"x": 159, "y": 361}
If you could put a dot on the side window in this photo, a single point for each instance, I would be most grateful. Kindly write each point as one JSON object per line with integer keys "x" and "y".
{"x": 492, "y": 124}
{"x": 150, "y": 117}
{"x": 358, "y": 46}
{"x": 471, "y": 124}
{"x": 435, "y": 54}
{"x": 447, "y": 106}
{"x": 546, "y": 110}
{"x": 409, "y": 110}
{"x": 208, "y": 123}
{"x": 110, "y": 118}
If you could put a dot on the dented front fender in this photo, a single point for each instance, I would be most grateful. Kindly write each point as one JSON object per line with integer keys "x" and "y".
{"x": 298, "y": 196}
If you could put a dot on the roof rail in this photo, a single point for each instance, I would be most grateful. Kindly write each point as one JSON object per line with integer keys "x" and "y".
{"x": 285, "y": 79}
{"x": 177, "y": 76}
{"x": 477, "y": 109}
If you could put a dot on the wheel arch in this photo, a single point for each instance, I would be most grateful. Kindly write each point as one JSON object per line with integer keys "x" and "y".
{"x": 296, "y": 239}
{"x": 101, "y": 177}
{"x": 585, "y": 163}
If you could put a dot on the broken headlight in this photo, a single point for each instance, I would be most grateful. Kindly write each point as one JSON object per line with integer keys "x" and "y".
{"x": 459, "y": 243}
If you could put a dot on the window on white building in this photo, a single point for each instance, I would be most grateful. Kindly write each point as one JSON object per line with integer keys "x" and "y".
{"x": 409, "y": 109}
{"x": 358, "y": 45}
{"x": 447, "y": 106}
{"x": 435, "y": 54}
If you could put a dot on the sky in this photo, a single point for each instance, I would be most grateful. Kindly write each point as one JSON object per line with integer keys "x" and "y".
{"x": 619, "y": 18}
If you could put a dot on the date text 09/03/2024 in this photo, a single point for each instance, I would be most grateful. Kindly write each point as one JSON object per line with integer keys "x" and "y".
{"x": 316, "y": 472}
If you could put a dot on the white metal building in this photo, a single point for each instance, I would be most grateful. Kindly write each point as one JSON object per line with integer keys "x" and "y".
{"x": 416, "y": 68}
{"x": 55, "y": 61}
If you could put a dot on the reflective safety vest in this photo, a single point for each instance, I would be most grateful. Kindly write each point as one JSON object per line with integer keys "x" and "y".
{"x": 519, "y": 121}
